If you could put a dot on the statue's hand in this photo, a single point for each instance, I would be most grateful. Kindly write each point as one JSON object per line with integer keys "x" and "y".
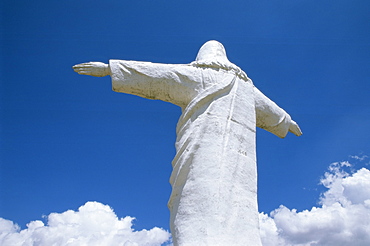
{"x": 97, "y": 69}
{"x": 294, "y": 128}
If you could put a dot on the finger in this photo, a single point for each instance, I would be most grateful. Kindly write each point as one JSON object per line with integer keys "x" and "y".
{"x": 84, "y": 72}
{"x": 294, "y": 132}
{"x": 82, "y": 66}
{"x": 79, "y": 68}
{"x": 84, "y": 69}
{"x": 89, "y": 64}
{"x": 86, "y": 64}
{"x": 297, "y": 131}
{"x": 294, "y": 128}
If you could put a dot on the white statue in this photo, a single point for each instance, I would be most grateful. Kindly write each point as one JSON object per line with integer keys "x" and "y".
{"x": 214, "y": 177}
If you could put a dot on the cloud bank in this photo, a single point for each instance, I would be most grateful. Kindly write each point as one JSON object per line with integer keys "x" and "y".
{"x": 343, "y": 217}
{"x": 92, "y": 225}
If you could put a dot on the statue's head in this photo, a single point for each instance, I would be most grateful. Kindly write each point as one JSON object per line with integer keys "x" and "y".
{"x": 212, "y": 51}
{"x": 213, "y": 55}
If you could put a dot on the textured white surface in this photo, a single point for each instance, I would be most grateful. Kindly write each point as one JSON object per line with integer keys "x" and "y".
{"x": 214, "y": 178}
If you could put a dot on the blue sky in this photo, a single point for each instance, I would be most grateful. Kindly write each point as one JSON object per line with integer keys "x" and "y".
{"x": 67, "y": 139}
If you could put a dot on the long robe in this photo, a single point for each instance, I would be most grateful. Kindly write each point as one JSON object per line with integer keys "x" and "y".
{"x": 214, "y": 177}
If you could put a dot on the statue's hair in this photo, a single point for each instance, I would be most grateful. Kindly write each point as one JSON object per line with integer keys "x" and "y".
{"x": 218, "y": 65}
{"x": 213, "y": 55}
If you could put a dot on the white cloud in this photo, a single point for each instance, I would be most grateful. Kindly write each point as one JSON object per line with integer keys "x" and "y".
{"x": 93, "y": 224}
{"x": 360, "y": 158}
{"x": 343, "y": 217}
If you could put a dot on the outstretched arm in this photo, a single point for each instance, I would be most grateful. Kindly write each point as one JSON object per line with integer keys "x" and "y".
{"x": 96, "y": 69}
{"x": 272, "y": 118}
{"x": 167, "y": 82}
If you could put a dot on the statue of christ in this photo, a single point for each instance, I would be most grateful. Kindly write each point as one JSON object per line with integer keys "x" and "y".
{"x": 214, "y": 178}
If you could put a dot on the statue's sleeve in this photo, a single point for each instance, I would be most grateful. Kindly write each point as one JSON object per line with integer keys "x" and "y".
{"x": 174, "y": 83}
{"x": 270, "y": 116}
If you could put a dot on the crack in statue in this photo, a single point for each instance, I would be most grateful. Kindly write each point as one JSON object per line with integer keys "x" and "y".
{"x": 214, "y": 177}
